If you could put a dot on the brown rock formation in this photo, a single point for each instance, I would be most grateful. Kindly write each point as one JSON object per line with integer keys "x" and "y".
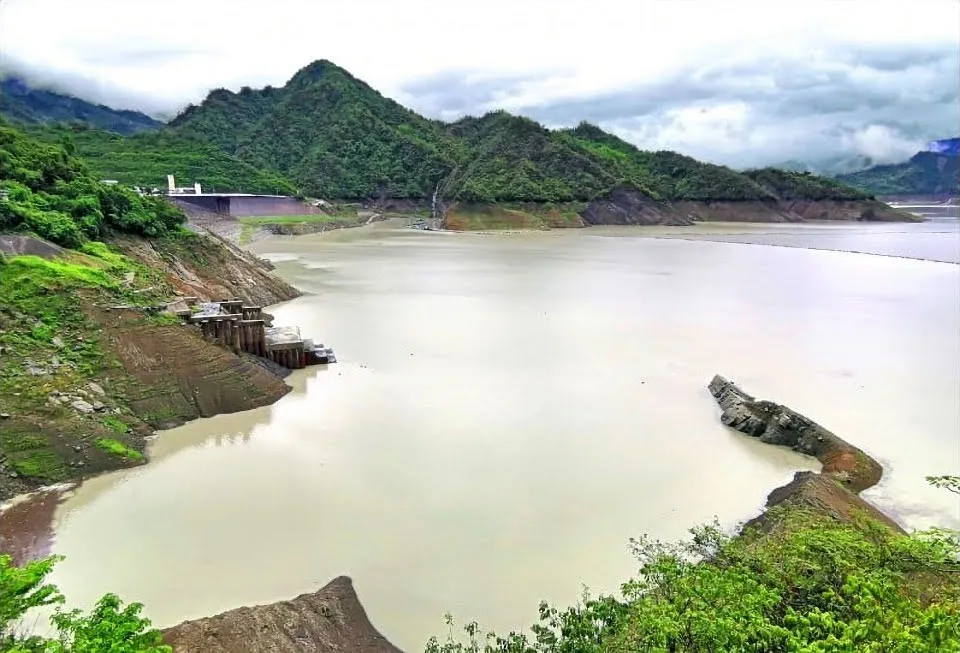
{"x": 726, "y": 211}
{"x": 776, "y": 424}
{"x": 158, "y": 376}
{"x": 625, "y": 206}
{"x": 866, "y": 211}
{"x": 210, "y": 268}
{"x": 330, "y": 620}
{"x": 827, "y": 497}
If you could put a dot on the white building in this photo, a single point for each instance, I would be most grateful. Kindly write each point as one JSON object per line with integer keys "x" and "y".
{"x": 173, "y": 189}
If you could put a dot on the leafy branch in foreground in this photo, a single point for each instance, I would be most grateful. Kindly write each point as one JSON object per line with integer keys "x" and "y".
{"x": 108, "y": 628}
{"x": 949, "y": 483}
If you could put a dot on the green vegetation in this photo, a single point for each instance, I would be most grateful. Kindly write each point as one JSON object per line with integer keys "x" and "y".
{"x": 116, "y": 425}
{"x": 49, "y": 343}
{"x": 118, "y": 448}
{"x": 146, "y": 159}
{"x": 50, "y": 339}
{"x": 797, "y": 581}
{"x": 25, "y": 105}
{"x": 672, "y": 176}
{"x": 513, "y": 215}
{"x": 109, "y": 627}
{"x": 336, "y": 137}
{"x": 512, "y": 159}
{"x": 48, "y": 192}
{"x": 790, "y": 185}
{"x": 298, "y": 224}
{"x": 328, "y": 132}
{"x": 927, "y": 173}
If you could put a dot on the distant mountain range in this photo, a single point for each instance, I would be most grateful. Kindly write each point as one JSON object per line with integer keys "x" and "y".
{"x": 19, "y": 103}
{"x": 328, "y": 134}
{"x": 933, "y": 172}
{"x": 829, "y": 166}
{"x": 334, "y": 136}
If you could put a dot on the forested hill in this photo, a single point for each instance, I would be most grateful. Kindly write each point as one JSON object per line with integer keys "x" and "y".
{"x": 328, "y": 134}
{"x": 145, "y": 159}
{"x": 19, "y": 103}
{"x": 926, "y": 173}
{"x": 334, "y": 136}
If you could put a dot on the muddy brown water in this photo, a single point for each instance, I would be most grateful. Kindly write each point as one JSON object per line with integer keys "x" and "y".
{"x": 510, "y": 409}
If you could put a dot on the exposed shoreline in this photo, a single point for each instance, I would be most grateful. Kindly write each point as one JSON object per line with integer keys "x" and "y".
{"x": 804, "y": 488}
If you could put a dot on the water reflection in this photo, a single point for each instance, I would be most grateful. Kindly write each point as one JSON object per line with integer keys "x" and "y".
{"x": 509, "y": 410}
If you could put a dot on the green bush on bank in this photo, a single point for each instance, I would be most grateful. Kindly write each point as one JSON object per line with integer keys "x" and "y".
{"x": 806, "y": 583}
{"x": 46, "y": 191}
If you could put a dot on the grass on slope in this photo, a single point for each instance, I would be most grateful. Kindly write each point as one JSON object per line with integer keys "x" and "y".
{"x": 49, "y": 345}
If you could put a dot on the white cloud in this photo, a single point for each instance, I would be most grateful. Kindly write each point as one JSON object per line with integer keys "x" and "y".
{"x": 160, "y": 55}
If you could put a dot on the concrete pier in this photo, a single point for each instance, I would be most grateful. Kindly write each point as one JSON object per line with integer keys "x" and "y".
{"x": 241, "y": 328}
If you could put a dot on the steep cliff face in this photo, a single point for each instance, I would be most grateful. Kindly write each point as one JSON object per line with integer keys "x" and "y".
{"x": 330, "y": 620}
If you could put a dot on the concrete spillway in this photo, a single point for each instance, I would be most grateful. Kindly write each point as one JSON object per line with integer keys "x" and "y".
{"x": 241, "y": 204}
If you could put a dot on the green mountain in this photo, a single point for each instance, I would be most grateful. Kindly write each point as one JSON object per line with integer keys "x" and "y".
{"x": 331, "y": 134}
{"x": 328, "y": 134}
{"x": 672, "y": 176}
{"x": 334, "y": 136}
{"x": 508, "y": 158}
{"x": 47, "y": 191}
{"x": 19, "y": 103}
{"x": 926, "y": 173}
{"x": 791, "y": 185}
{"x": 147, "y": 158}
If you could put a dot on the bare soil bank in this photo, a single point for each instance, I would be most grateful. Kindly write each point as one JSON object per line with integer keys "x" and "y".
{"x": 326, "y": 621}
{"x": 628, "y": 207}
{"x": 57, "y": 423}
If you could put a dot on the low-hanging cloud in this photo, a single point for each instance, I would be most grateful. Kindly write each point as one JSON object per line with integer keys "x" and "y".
{"x": 882, "y": 104}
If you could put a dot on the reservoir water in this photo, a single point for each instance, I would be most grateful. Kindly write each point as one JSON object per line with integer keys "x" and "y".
{"x": 510, "y": 409}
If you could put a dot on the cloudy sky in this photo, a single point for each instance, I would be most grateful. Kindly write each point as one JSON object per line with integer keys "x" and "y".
{"x": 736, "y": 82}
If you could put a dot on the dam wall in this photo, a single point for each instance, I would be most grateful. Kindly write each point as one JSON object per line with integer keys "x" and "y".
{"x": 248, "y": 205}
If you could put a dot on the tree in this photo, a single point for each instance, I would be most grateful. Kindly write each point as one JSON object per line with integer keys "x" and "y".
{"x": 949, "y": 483}
{"x": 108, "y": 628}
{"x": 799, "y": 580}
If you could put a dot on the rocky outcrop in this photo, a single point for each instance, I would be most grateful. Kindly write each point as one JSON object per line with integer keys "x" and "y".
{"x": 862, "y": 211}
{"x": 776, "y": 424}
{"x": 330, "y": 620}
{"x": 827, "y": 497}
{"x": 18, "y": 245}
{"x": 210, "y": 268}
{"x": 626, "y": 206}
{"x": 726, "y": 211}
